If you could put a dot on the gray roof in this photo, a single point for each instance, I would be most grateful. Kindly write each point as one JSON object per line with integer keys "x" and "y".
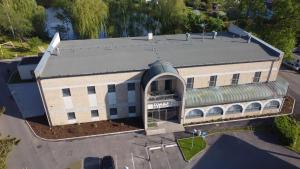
{"x": 97, "y": 56}
{"x": 234, "y": 94}
{"x": 157, "y": 68}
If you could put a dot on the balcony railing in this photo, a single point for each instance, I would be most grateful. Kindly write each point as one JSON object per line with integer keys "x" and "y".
{"x": 163, "y": 95}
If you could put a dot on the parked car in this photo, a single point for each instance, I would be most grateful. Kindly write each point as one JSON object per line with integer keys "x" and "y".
{"x": 107, "y": 163}
{"x": 293, "y": 65}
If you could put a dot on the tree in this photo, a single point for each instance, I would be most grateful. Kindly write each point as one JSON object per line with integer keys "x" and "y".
{"x": 16, "y": 16}
{"x": 171, "y": 14}
{"x": 88, "y": 16}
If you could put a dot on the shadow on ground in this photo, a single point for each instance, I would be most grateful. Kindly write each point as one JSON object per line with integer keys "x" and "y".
{"x": 91, "y": 163}
{"x": 229, "y": 152}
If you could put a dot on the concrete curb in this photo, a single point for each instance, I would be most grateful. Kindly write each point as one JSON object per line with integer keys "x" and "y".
{"x": 80, "y": 137}
{"x": 244, "y": 119}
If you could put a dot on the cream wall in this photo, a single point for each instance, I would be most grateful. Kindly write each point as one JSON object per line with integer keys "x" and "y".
{"x": 51, "y": 88}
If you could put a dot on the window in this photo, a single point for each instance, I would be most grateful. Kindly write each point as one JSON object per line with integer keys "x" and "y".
{"x": 130, "y": 86}
{"x": 235, "y": 79}
{"x": 274, "y": 104}
{"x": 195, "y": 113}
{"x": 113, "y": 111}
{"x": 256, "y": 77}
{"x": 212, "y": 81}
{"x": 94, "y": 113}
{"x": 253, "y": 107}
{"x": 66, "y": 92}
{"x": 215, "y": 111}
{"x": 234, "y": 109}
{"x": 190, "y": 83}
{"x": 71, "y": 116}
{"x": 91, "y": 89}
{"x": 168, "y": 85}
{"x": 111, "y": 88}
{"x": 131, "y": 109}
{"x": 154, "y": 86}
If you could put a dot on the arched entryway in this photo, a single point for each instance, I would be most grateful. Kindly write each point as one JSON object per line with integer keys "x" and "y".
{"x": 163, "y": 93}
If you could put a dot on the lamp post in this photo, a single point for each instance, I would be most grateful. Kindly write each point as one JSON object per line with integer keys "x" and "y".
{"x": 203, "y": 29}
{"x": 194, "y": 131}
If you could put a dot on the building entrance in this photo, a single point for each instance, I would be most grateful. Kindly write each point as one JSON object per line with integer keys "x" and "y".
{"x": 164, "y": 114}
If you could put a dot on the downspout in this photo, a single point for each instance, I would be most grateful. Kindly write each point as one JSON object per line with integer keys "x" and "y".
{"x": 270, "y": 71}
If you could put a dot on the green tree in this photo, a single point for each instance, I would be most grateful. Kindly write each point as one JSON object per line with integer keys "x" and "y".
{"x": 17, "y": 16}
{"x": 172, "y": 15}
{"x": 88, "y": 16}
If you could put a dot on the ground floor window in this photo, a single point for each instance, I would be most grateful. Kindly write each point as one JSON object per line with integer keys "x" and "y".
{"x": 94, "y": 113}
{"x": 131, "y": 110}
{"x": 113, "y": 111}
{"x": 215, "y": 111}
{"x": 71, "y": 116}
{"x": 274, "y": 104}
{"x": 253, "y": 107}
{"x": 234, "y": 109}
{"x": 195, "y": 113}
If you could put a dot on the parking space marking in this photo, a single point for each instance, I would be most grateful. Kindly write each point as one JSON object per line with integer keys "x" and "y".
{"x": 116, "y": 161}
{"x": 168, "y": 162}
{"x": 148, "y": 156}
{"x": 132, "y": 161}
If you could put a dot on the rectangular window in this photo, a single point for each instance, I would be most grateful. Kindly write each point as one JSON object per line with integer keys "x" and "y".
{"x": 256, "y": 78}
{"x": 94, "y": 113}
{"x": 213, "y": 81}
{"x": 113, "y": 111}
{"x": 235, "y": 79}
{"x": 111, "y": 88}
{"x": 71, "y": 116}
{"x": 130, "y": 86}
{"x": 168, "y": 85}
{"x": 131, "y": 109}
{"x": 154, "y": 86}
{"x": 91, "y": 89}
{"x": 190, "y": 83}
{"x": 66, "y": 92}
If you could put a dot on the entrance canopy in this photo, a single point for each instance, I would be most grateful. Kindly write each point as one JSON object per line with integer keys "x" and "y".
{"x": 234, "y": 94}
{"x": 156, "y": 68}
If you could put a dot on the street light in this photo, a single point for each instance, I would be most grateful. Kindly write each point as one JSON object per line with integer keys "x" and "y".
{"x": 194, "y": 131}
{"x": 203, "y": 28}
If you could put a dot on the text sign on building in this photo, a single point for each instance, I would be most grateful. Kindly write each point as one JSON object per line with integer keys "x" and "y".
{"x": 159, "y": 105}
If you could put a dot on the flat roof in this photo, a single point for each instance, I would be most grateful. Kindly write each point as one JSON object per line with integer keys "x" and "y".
{"x": 100, "y": 56}
{"x": 30, "y": 60}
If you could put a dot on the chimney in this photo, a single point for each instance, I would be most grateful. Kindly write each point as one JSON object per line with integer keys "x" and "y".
{"x": 150, "y": 36}
{"x": 249, "y": 37}
{"x": 214, "y": 34}
{"x": 187, "y": 36}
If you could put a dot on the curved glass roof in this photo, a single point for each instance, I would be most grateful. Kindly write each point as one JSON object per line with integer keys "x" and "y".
{"x": 233, "y": 94}
{"x": 157, "y": 68}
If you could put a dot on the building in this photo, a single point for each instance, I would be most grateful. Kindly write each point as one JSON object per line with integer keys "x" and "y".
{"x": 168, "y": 80}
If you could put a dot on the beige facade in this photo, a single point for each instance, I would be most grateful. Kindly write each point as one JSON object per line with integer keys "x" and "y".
{"x": 56, "y": 106}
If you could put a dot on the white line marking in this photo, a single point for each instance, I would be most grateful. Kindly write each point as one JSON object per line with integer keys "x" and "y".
{"x": 171, "y": 145}
{"x": 148, "y": 158}
{"x": 132, "y": 161}
{"x": 166, "y": 155}
{"x": 116, "y": 161}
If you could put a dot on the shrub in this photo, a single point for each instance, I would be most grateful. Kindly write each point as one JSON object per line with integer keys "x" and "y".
{"x": 34, "y": 42}
{"x": 286, "y": 128}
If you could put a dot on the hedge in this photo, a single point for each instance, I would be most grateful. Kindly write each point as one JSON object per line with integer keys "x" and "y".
{"x": 286, "y": 128}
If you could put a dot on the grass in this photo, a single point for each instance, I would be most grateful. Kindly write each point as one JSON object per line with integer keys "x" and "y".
{"x": 296, "y": 146}
{"x": 15, "y": 48}
{"x": 186, "y": 148}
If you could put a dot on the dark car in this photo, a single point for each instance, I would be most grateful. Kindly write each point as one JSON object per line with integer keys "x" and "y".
{"x": 107, "y": 163}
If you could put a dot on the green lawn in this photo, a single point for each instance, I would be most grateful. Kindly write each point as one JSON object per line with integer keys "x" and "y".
{"x": 11, "y": 48}
{"x": 185, "y": 146}
{"x": 297, "y": 144}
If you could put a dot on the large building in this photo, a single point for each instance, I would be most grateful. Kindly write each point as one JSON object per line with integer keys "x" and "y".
{"x": 168, "y": 80}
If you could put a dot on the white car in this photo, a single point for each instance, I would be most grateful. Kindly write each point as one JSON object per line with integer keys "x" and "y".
{"x": 293, "y": 65}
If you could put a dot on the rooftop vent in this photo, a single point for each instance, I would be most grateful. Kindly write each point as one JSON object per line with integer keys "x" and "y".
{"x": 249, "y": 37}
{"x": 150, "y": 36}
{"x": 187, "y": 36}
{"x": 214, "y": 34}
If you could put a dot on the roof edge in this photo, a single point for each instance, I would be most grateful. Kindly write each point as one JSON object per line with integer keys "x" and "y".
{"x": 41, "y": 65}
{"x": 241, "y": 32}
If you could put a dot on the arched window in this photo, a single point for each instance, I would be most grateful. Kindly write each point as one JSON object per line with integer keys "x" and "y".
{"x": 253, "y": 107}
{"x": 234, "y": 109}
{"x": 215, "y": 111}
{"x": 274, "y": 104}
{"x": 194, "y": 113}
